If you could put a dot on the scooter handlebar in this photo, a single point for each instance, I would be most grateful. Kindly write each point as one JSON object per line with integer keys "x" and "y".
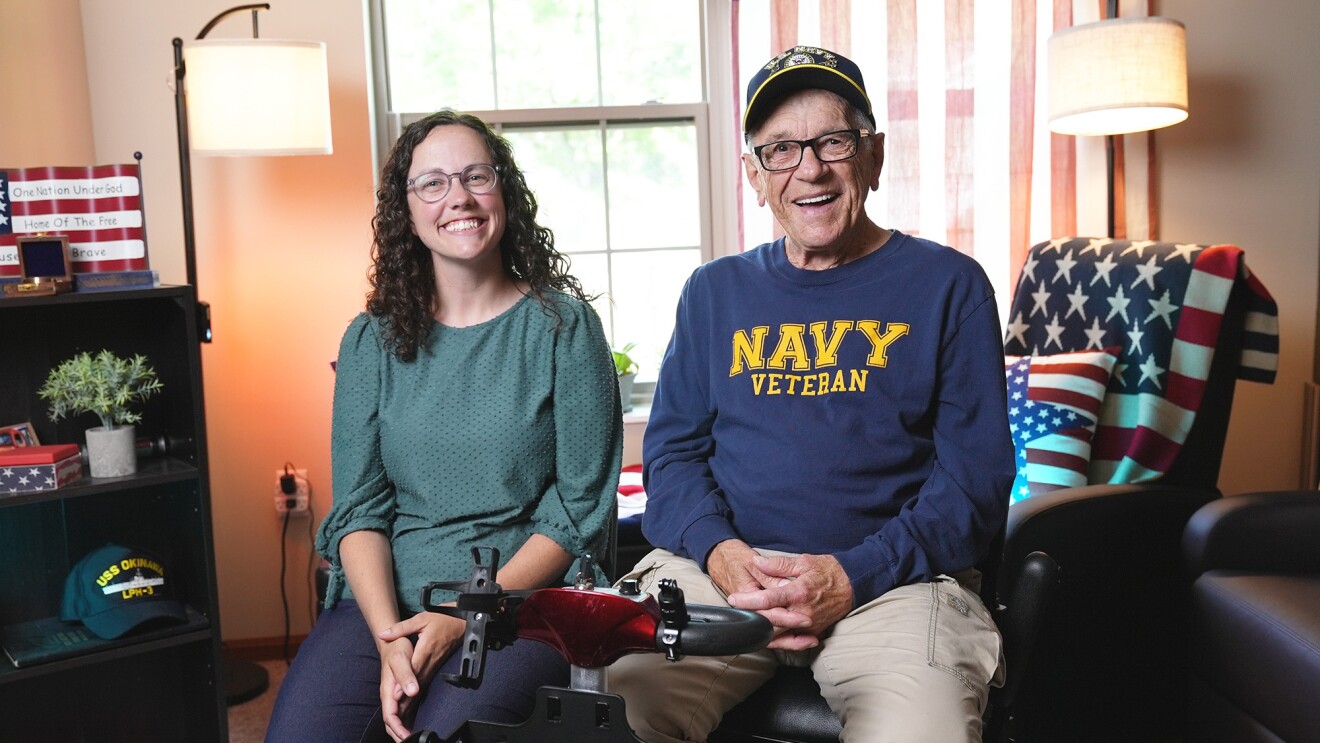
{"x": 716, "y": 630}
{"x": 702, "y": 629}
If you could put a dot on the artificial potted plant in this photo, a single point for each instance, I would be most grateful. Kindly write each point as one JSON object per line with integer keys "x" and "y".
{"x": 626, "y": 368}
{"x": 106, "y": 385}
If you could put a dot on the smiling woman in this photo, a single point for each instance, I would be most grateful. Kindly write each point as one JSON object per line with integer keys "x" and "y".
{"x": 475, "y": 405}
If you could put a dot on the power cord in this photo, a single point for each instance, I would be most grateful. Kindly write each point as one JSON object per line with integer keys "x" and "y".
{"x": 284, "y": 597}
{"x": 288, "y": 486}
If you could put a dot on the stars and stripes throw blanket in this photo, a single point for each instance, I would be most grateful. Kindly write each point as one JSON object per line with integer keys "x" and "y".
{"x": 1161, "y": 305}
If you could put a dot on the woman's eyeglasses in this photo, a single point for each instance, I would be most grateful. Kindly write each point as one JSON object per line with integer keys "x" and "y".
{"x": 432, "y": 186}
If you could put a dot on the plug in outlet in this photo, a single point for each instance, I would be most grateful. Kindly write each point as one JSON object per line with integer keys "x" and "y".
{"x": 297, "y": 502}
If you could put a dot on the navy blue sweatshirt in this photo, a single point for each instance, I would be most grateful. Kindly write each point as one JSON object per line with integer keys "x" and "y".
{"x": 858, "y": 412}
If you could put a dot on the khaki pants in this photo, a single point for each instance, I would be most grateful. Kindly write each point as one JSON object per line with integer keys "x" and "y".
{"x": 913, "y": 665}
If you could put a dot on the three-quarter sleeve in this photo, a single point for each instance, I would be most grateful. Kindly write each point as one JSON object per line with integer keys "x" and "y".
{"x": 588, "y": 427}
{"x": 363, "y": 495}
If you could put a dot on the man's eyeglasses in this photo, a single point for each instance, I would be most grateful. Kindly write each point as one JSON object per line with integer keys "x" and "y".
{"x": 829, "y": 148}
{"x": 432, "y": 186}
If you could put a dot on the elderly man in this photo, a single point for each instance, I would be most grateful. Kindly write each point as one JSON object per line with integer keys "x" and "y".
{"x": 829, "y": 442}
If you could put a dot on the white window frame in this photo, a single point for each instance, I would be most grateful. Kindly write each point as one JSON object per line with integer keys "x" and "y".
{"x": 719, "y": 165}
{"x": 719, "y": 142}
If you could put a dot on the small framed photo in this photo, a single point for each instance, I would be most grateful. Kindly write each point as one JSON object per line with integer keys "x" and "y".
{"x": 18, "y": 434}
{"x": 45, "y": 265}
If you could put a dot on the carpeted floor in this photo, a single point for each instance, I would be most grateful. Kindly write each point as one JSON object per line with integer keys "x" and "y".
{"x": 247, "y": 720}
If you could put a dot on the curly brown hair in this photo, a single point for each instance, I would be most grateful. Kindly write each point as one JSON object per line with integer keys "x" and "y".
{"x": 403, "y": 287}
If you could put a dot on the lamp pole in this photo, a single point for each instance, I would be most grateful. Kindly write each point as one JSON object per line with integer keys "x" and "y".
{"x": 243, "y": 679}
{"x": 185, "y": 162}
{"x": 185, "y": 165}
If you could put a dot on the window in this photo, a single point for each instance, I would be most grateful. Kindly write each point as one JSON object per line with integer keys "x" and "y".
{"x": 605, "y": 104}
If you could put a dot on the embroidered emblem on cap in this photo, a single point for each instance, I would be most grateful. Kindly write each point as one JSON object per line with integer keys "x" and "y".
{"x": 802, "y": 55}
{"x": 134, "y": 586}
{"x": 804, "y": 67}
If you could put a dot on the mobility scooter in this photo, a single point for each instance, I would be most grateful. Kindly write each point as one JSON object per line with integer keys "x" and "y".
{"x": 591, "y": 627}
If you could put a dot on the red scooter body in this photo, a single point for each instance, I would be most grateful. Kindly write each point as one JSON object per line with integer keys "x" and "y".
{"x": 590, "y": 627}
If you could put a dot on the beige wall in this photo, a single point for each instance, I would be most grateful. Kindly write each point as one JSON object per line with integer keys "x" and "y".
{"x": 282, "y": 242}
{"x": 45, "y": 117}
{"x": 1244, "y": 169}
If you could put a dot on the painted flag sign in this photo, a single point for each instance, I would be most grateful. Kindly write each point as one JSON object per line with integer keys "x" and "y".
{"x": 1162, "y": 305}
{"x": 99, "y": 208}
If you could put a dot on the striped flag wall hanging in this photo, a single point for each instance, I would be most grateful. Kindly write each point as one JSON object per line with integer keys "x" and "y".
{"x": 99, "y": 208}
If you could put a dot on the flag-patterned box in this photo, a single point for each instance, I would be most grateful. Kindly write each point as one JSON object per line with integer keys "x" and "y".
{"x": 27, "y": 469}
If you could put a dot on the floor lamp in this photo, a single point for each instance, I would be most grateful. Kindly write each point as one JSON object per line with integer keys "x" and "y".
{"x": 245, "y": 97}
{"x": 1117, "y": 76}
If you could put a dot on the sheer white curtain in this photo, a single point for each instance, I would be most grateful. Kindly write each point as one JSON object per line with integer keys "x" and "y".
{"x": 959, "y": 88}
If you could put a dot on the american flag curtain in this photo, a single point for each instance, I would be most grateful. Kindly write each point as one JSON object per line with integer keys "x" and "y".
{"x": 959, "y": 88}
{"x": 1161, "y": 304}
{"x": 99, "y": 208}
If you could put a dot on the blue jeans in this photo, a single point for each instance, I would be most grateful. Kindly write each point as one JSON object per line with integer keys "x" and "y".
{"x": 332, "y": 690}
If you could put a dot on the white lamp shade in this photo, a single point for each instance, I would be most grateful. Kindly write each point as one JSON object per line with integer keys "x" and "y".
{"x": 257, "y": 97}
{"x": 1118, "y": 76}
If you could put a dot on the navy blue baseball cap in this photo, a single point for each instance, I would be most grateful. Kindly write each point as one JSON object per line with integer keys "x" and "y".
{"x": 115, "y": 589}
{"x": 800, "y": 68}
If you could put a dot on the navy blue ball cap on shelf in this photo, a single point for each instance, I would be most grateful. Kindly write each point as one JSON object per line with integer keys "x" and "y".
{"x": 115, "y": 589}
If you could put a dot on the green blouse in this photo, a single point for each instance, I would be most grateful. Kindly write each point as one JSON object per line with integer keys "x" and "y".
{"x": 495, "y": 432}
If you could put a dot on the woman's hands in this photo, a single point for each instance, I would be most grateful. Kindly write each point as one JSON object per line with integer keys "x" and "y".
{"x": 412, "y": 649}
{"x": 410, "y": 653}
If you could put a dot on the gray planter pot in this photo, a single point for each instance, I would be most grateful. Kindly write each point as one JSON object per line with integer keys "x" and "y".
{"x": 110, "y": 451}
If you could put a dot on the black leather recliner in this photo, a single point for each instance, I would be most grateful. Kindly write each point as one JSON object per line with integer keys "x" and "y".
{"x": 1255, "y": 618}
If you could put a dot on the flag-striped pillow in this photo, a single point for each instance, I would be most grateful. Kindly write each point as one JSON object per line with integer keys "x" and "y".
{"x": 1053, "y": 405}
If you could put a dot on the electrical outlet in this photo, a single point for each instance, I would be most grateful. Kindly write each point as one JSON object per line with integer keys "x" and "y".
{"x": 297, "y": 502}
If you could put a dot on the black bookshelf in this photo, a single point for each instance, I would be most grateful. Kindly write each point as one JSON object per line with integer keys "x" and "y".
{"x": 160, "y": 685}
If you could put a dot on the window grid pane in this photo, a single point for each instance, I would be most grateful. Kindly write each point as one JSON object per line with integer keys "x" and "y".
{"x": 652, "y": 174}
{"x": 432, "y": 68}
{"x": 619, "y": 183}
{"x": 665, "y": 68}
{"x": 606, "y": 182}
{"x": 565, "y": 168}
{"x": 545, "y": 53}
{"x": 646, "y": 288}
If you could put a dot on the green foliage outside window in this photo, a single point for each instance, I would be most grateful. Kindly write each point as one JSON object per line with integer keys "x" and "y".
{"x": 546, "y": 53}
